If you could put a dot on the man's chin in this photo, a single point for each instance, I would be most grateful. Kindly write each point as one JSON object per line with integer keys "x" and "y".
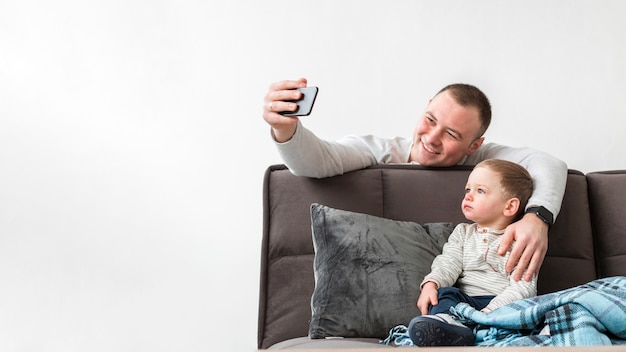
{"x": 426, "y": 158}
{"x": 432, "y": 161}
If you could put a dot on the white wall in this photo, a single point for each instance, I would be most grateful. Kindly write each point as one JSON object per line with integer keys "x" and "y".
{"x": 132, "y": 147}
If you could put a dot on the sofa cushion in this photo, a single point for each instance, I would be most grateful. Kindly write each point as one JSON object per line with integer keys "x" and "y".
{"x": 367, "y": 271}
{"x": 305, "y": 343}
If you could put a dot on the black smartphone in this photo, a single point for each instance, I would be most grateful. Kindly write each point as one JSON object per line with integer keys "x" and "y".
{"x": 305, "y": 104}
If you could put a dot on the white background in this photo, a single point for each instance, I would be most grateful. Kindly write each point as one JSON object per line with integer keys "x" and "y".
{"x": 132, "y": 146}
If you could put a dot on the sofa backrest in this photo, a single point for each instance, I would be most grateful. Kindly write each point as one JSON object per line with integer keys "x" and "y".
{"x": 607, "y": 198}
{"x": 399, "y": 192}
{"x": 570, "y": 260}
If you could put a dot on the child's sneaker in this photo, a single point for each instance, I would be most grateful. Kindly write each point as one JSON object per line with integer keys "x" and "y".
{"x": 439, "y": 330}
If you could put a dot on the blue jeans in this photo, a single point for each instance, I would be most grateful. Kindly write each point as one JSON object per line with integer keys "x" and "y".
{"x": 450, "y": 296}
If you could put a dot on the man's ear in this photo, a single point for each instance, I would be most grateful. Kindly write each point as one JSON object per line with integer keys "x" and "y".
{"x": 511, "y": 208}
{"x": 474, "y": 145}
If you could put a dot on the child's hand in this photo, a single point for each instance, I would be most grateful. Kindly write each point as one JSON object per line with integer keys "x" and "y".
{"x": 428, "y": 297}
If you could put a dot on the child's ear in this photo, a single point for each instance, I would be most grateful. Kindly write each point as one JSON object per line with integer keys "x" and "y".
{"x": 511, "y": 208}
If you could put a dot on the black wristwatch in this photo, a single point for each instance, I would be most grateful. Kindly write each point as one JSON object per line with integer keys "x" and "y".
{"x": 544, "y": 214}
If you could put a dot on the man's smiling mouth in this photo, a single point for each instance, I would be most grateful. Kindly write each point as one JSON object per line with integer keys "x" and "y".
{"x": 428, "y": 149}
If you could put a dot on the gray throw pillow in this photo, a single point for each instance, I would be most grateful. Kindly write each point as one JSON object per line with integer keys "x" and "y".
{"x": 367, "y": 271}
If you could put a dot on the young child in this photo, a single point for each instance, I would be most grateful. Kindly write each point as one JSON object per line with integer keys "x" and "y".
{"x": 469, "y": 269}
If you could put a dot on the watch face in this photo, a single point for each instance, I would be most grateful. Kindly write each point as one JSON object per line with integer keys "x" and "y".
{"x": 545, "y": 215}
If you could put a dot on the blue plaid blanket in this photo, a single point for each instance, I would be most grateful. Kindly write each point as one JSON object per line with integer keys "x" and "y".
{"x": 586, "y": 315}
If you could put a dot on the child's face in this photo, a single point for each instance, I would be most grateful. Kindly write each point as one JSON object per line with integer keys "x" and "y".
{"x": 484, "y": 202}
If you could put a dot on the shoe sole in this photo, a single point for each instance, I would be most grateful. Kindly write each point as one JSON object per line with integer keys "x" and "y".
{"x": 430, "y": 332}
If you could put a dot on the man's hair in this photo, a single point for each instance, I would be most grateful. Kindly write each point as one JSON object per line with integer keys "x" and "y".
{"x": 514, "y": 179}
{"x": 467, "y": 95}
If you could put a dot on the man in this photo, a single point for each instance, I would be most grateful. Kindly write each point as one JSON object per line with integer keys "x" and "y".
{"x": 450, "y": 132}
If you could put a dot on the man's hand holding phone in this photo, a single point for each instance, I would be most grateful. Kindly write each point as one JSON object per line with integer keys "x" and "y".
{"x": 284, "y": 102}
{"x": 304, "y": 104}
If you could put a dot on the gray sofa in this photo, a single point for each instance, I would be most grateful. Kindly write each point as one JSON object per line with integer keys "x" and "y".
{"x": 588, "y": 240}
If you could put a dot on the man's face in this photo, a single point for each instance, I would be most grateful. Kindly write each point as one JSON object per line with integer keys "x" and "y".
{"x": 445, "y": 133}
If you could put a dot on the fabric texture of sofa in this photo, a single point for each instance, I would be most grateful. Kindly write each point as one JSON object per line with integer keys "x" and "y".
{"x": 587, "y": 242}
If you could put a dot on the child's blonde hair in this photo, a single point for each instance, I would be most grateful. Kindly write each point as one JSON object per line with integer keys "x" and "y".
{"x": 514, "y": 179}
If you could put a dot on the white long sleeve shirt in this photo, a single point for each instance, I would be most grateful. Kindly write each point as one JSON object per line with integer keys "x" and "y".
{"x": 307, "y": 155}
{"x": 470, "y": 261}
